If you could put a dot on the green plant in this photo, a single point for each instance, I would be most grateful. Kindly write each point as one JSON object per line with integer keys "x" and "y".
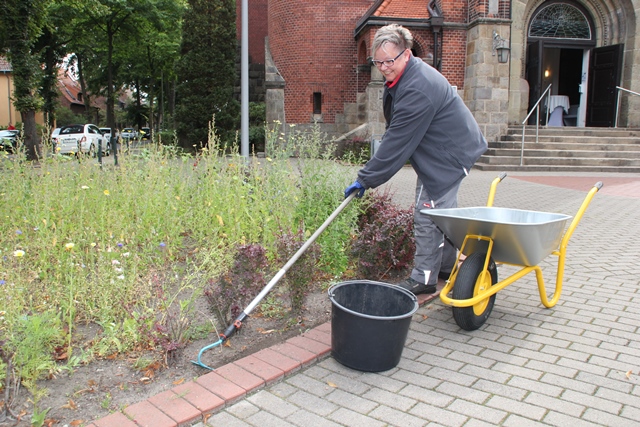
{"x": 238, "y": 286}
{"x": 299, "y": 277}
{"x": 385, "y": 239}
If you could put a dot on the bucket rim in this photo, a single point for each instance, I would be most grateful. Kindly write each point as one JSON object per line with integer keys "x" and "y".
{"x": 413, "y": 298}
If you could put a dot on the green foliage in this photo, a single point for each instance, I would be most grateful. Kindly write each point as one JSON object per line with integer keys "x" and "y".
{"x": 257, "y": 117}
{"x": 128, "y": 248}
{"x": 207, "y": 73}
{"x": 355, "y": 151}
{"x": 238, "y": 286}
{"x": 301, "y": 274}
{"x": 66, "y": 117}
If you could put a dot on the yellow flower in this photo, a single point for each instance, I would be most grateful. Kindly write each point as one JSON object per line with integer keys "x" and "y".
{"x": 19, "y": 253}
{"x": 106, "y": 192}
{"x": 69, "y": 246}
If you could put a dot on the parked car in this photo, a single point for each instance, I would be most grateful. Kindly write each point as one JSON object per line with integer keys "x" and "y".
{"x": 82, "y": 139}
{"x": 54, "y": 136}
{"x": 9, "y": 139}
{"x": 145, "y": 134}
{"x": 106, "y": 132}
{"x": 129, "y": 134}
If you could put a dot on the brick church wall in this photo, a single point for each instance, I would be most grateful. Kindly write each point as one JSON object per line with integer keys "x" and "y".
{"x": 313, "y": 47}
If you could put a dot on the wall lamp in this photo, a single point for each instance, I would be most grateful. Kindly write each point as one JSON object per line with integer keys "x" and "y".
{"x": 501, "y": 47}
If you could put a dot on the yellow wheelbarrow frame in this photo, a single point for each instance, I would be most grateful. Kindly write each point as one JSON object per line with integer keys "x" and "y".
{"x": 486, "y": 285}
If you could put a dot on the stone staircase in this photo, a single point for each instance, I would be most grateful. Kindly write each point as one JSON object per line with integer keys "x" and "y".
{"x": 565, "y": 149}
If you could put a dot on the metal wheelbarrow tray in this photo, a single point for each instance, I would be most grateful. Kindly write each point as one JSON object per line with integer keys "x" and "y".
{"x": 486, "y": 235}
{"x": 519, "y": 236}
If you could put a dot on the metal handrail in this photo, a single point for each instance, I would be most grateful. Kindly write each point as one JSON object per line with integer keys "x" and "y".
{"x": 547, "y": 92}
{"x": 615, "y": 125}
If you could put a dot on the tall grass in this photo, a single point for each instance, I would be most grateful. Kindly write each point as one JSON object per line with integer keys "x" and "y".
{"x": 83, "y": 243}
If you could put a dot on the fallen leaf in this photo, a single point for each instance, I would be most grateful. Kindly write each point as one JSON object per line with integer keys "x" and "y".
{"x": 332, "y": 384}
{"x": 267, "y": 332}
{"x": 227, "y": 343}
{"x": 76, "y": 422}
{"x": 70, "y": 405}
{"x": 425, "y": 317}
{"x": 178, "y": 382}
{"x": 628, "y": 374}
{"x": 205, "y": 417}
{"x": 150, "y": 373}
{"x": 145, "y": 380}
{"x": 92, "y": 383}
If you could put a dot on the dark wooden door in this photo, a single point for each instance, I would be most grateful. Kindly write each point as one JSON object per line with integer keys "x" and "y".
{"x": 534, "y": 75}
{"x": 605, "y": 70}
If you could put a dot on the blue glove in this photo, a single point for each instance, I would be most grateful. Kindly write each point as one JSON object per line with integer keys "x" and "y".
{"x": 356, "y": 186}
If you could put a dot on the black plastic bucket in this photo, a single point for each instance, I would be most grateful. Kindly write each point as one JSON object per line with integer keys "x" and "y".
{"x": 369, "y": 324}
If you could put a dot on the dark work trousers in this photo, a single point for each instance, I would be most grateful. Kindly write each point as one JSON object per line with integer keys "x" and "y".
{"x": 434, "y": 253}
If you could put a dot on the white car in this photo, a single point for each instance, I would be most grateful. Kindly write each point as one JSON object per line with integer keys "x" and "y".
{"x": 75, "y": 139}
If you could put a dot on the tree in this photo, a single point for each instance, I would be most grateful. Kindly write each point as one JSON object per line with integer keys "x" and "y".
{"x": 207, "y": 73}
{"x": 22, "y": 23}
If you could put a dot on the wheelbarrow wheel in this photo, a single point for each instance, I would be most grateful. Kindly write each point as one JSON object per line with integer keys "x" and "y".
{"x": 471, "y": 280}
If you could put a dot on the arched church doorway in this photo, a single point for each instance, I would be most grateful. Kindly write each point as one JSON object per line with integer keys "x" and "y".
{"x": 561, "y": 52}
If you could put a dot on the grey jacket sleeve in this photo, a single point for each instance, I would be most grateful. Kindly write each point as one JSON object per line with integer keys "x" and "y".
{"x": 412, "y": 115}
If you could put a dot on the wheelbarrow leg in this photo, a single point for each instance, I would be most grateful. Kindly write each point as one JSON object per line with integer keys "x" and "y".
{"x": 476, "y": 274}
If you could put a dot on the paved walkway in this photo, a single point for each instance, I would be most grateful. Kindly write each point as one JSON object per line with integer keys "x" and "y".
{"x": 575, "y": 364}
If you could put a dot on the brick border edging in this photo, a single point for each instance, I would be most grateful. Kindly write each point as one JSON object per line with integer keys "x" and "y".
{"x": 189, "y": 402}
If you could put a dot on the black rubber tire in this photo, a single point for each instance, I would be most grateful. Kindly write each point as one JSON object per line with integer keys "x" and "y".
{"x": 469, "y": 278}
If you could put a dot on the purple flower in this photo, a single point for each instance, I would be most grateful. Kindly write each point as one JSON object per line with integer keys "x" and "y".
{"x": 120, "y": 245}
{"x": 18, "y": 232}
{"x": 163, "y": 244}
{"x": 2, "y": 282}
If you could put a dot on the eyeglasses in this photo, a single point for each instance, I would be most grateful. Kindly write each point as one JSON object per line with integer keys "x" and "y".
{"x": 387, "y": 62}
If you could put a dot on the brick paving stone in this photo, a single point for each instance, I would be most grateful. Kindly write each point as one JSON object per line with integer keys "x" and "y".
{"x": 383, "y": 397}
{"x": 427, "y": 396}
{"x": 296, "y": 353}
{"x": 555, "y": 404}
{"x": 307, "y": 419}
{"x": 177, "y": 408}
{"x": 442, "y": 416}
{"x": 145, "y": 414}
{"x": 354, "y": 419}
{"x": 516, "y": 407}
{"x": 311, "y": 345}
{"x": 260, "y": 368}
{"x": 227, "y": 420}
{"x": 117, "y": 419}
{"x": 239, "y": 376}
{"x": 220, "y": 386}
{"x": 500, "y": 389}
{"x": 395, "y": 417}
{"x": 477, "y": 411}
{"x": 312, "y": 403}
{"x": 272, "y": 403}
{"x": 198, "y": 396}
{"x": 286, "y": 364}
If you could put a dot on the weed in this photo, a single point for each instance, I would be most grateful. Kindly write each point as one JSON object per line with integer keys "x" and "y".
{"x": 105, "y": 403}
{"x": 238, "y": 286}
{"x": 385, "y": 239}
{"x": 301, "y": 273}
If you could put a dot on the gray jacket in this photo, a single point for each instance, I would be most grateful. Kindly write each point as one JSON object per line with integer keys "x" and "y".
{"x": 429, "y": 125}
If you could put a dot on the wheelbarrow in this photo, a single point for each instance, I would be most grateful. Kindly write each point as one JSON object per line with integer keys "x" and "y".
{"x": 487, "y": 236}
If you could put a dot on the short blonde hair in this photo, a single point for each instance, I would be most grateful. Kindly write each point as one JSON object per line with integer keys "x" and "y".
{"x": 394, "y": 34}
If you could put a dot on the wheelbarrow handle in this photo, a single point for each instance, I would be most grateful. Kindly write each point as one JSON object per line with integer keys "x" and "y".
{"x": 492, "y": 190}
